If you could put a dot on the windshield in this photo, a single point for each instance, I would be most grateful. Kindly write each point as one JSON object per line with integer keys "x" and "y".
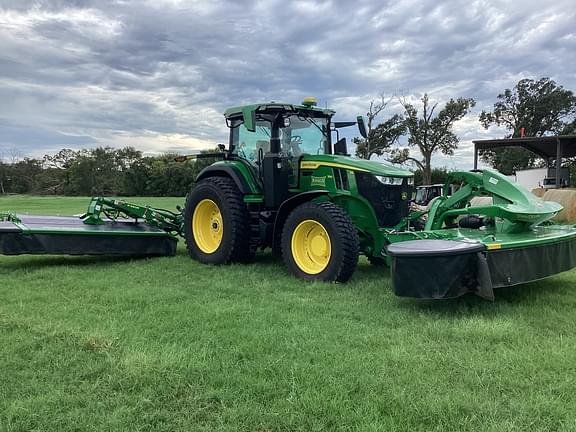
{"x": 420, "y": 196}
{"x": 299, "y": 135}
{"x": 305, "y": 135}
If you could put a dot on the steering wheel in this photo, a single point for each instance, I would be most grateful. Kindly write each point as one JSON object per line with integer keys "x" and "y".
{"x": 241, "y": 151}
{"x": 295, "y": 141}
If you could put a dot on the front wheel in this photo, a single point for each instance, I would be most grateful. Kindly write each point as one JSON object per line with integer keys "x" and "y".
{"x": 320, "y": 242}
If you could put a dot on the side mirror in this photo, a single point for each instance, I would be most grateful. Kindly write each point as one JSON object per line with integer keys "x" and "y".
{"x": 361, "y": 126}
{"x": 249, "y": 116}
{"x": 340, "y": 147}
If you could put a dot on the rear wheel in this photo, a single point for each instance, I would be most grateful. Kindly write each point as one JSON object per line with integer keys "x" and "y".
{"x": 217, "y": 222}
{"x": 320, "y": 242}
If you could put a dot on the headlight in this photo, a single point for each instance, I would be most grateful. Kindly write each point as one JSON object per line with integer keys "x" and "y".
{"x": 390, "y": 181}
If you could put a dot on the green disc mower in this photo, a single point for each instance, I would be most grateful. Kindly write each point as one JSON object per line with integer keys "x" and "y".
{"x": 282, "y": 183}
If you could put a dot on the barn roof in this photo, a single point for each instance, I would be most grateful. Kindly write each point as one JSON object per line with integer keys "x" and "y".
{"x": 545, "y": 147}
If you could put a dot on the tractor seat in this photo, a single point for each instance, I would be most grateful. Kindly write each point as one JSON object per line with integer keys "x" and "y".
{"x": 260, "y": 144}
{"x": 264, "y": 145}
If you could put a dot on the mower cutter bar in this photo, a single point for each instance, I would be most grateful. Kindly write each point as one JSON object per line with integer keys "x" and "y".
{"x": 452, "y": 268}
{"x": 26, "y": 234}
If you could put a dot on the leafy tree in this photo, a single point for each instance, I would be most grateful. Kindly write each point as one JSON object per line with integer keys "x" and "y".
{"x": 55, "y": 177}
{"x": 4, "y": 169}
{"x": 569, "y": 128}
{"x": 437, "y": 175}
{"x": 23, "y": 176}
{"x": 125, "y": 157}
{"x": 137, "y": 177}
{"x": 381, "y": 137}
{"x": 540, "y": 107}
{"x": 60, "y": 160}
{"x": 572, "y": 168}
{"x": 431, "y": 132}
{"x": 98, "y": 171}
{"x": 82, "y": 172}
{"x": 508, "y": 160}
{"x": 169, "y": 178}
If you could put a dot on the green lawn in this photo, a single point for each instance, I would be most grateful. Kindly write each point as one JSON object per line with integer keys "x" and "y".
{"x": 168, "y": 344}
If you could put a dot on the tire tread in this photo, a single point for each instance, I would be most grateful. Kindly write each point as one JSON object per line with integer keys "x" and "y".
{"x": 241, "y": 248}
{"x": 347, "y": 233}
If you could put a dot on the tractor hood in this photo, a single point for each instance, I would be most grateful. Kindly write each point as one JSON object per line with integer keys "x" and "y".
{"x": 353, "y": 164}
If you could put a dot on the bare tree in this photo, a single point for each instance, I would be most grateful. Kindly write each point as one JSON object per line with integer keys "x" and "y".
{"x": 380, "y": 136}
{"x": 13, "y": 155}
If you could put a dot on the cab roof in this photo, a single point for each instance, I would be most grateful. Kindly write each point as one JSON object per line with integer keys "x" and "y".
{"x": 239, "y": 110}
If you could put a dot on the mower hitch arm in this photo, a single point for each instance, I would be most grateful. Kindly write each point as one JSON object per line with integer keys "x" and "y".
{"x": 114, "y": 209}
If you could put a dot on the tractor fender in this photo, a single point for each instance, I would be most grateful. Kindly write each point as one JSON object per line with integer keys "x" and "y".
{"x": 286, "y": 207}
{"x": 225, "y": 171}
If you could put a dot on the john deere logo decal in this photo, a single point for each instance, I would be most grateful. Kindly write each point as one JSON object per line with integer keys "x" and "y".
{"x": 318, "y": 181}
{"x": 404, "y": 196}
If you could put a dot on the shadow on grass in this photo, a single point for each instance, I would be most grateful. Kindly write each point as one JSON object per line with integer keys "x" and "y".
{"x": 507, "y": 301}
{"x": 377, "y": 277}
{"x": 366, "y": 272}
{"x": 36, "y": 262}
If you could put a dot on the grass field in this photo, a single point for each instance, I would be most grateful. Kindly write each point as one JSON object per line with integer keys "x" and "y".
{"x": 167, "y": 344}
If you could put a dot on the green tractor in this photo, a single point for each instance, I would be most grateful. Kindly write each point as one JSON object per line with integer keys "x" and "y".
{"x": 284, "y": 185}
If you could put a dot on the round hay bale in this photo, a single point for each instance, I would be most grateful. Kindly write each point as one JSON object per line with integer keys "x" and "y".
{"x": 567, "y": 198}
{"x": 539, "y": 192}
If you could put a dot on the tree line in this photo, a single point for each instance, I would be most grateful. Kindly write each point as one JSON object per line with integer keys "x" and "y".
{"x": 532, "y": 108}
{"x": 108, "y": 171}
{"x": 100, "y": 171}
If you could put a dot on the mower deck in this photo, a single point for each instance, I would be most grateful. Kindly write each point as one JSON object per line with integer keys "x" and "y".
{"x": 468, "y": 260}
{"x": 71, "y": 236}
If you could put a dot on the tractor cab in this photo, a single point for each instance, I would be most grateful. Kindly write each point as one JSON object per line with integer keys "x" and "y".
{"x": 425, "y": 194}
{"x": 273, "y": 137}
{"x": 287, "y": 129}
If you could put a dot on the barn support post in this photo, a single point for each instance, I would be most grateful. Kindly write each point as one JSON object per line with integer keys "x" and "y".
{"x": 475, "y": 156}
{"x": 558, "y": 161}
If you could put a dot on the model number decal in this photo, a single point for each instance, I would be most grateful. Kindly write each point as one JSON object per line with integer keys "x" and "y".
{"x": 318, "y": 181}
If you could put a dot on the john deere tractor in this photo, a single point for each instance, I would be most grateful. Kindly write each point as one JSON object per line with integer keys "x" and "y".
{"x": 283, "y": 184}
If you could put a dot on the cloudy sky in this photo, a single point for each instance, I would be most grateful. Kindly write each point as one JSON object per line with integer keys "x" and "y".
{"x": 157, "y": 74}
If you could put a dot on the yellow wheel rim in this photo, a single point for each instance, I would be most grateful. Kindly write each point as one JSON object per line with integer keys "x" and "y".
{"x": 207, "y": 226}
{"x": 311, "y": 246}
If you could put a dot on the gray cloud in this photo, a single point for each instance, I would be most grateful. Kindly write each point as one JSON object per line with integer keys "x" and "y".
{"x": 37, "y": 140}
{"x": 158, "y": 74}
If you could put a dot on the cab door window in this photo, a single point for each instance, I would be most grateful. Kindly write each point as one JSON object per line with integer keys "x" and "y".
{"x": 248, "y": 144}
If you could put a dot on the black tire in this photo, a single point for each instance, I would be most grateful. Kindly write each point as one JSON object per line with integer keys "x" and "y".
{"x": 235, "y": 242}
{"x": 344, "y": 243}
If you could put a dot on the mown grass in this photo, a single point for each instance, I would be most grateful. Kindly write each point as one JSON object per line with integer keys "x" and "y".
{"x": 168, "y": 344}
